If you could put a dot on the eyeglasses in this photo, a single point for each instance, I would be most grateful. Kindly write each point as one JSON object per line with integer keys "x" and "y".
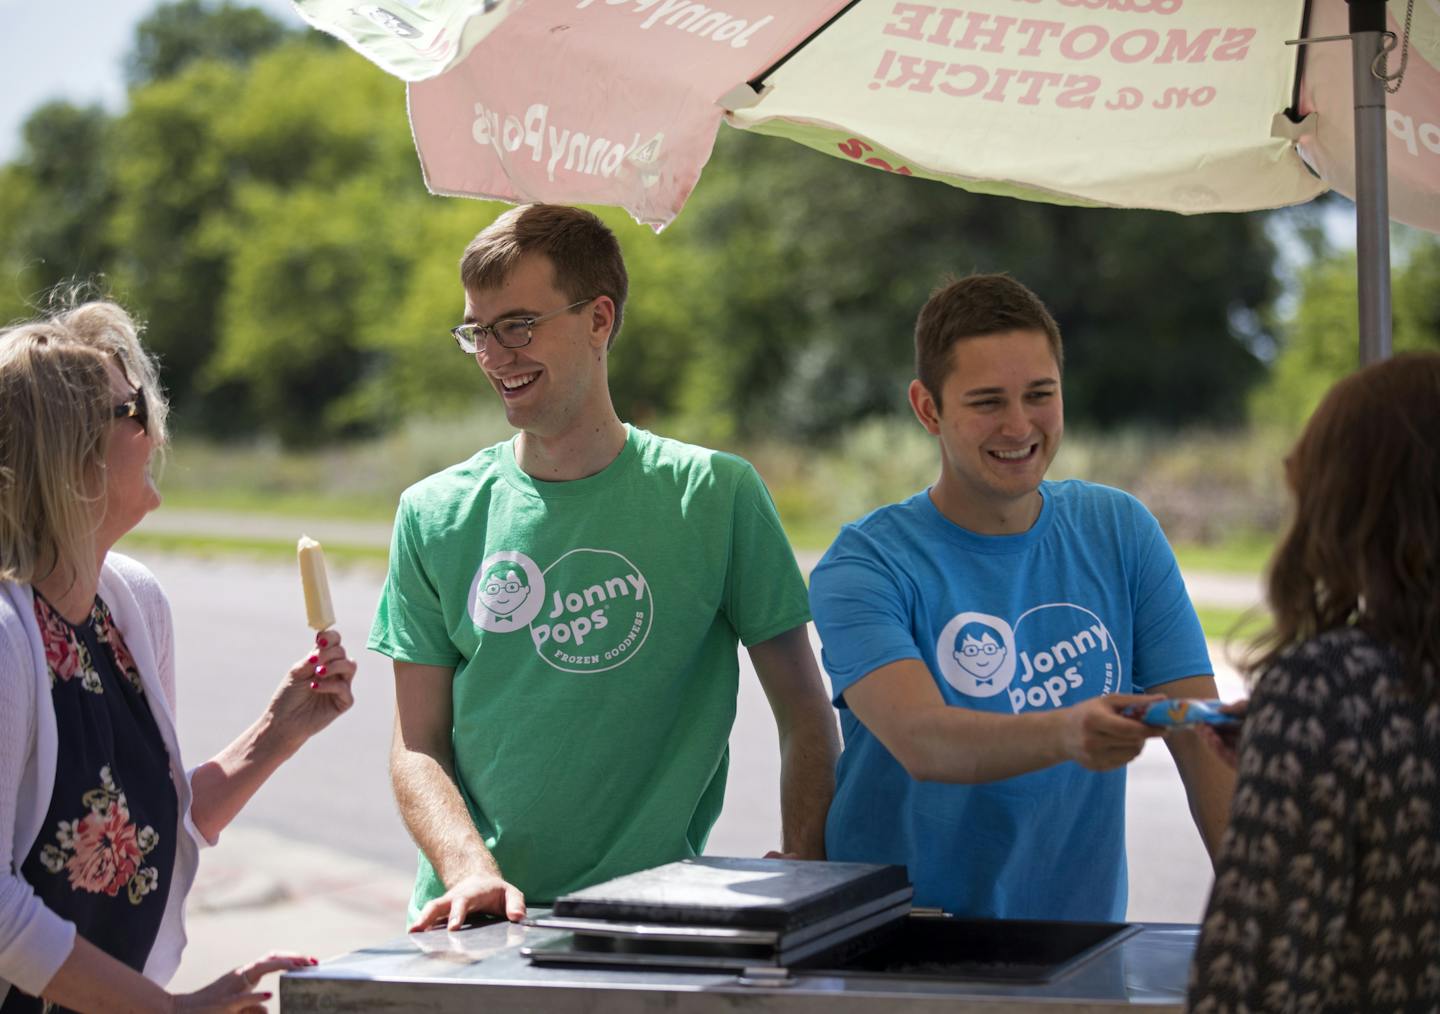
{"x": 135, "y": 408}
{"x": 971, "y": 650}
{"x": 509, "y": 587}
{"x": 511, "y": 332}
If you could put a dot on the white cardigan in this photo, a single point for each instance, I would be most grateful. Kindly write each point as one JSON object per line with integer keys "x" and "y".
{"x": 35, "y": 941}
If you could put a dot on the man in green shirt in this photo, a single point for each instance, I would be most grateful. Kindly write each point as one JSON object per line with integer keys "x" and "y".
{"x": 563, "y": 611}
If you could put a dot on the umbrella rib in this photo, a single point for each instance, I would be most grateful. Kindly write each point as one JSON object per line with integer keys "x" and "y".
{"x": 1293, "y": 113}
{"x": 758, "y": 81}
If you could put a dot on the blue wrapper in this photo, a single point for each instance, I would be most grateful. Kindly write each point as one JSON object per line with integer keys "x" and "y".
{"x": 1181, "y": 711}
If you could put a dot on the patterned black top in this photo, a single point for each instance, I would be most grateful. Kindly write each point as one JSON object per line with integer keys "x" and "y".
{"x": 1327, "y": 887}
{"x": 104, "y": 856}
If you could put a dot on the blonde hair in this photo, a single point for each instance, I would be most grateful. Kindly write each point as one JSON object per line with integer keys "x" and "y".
{"x": 55, "y": 433}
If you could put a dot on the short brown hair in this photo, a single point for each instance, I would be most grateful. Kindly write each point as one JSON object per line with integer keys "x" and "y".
{"x": 1364, "y": 544}
{"x": 583, "y": 251}
{"x": 973, "y": 307}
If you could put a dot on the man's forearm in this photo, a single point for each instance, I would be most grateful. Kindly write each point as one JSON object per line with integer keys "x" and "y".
{"x": 807, "y": 783}
{"x": 436, "y": 816}
{"x": 966, "y": 747}
{"x": 901, "y": 705}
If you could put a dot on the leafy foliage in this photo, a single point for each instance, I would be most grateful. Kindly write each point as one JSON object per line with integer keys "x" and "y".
{"x": 55, "y": 200}
{"x": 177, "y": 35}
{"x": 820, "y": 295}
{"x": 260, "y": 205}
{"x": 1320, "y": 340}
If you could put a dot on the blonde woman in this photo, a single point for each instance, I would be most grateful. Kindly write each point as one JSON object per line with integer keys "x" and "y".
{"x": 100, "y": 823}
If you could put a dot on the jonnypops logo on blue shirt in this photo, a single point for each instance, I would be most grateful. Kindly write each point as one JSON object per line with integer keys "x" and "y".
{"x": 587, "y": 612}
{"x": 1050, "y": 652}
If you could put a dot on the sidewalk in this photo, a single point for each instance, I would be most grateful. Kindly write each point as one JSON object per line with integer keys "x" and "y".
{"x": 258, "y": 892}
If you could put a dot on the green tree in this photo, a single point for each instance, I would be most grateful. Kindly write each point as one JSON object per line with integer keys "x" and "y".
{"x": 821, "y": 268}
{"x": 1320, "y": 343}
{"x": 311, "y": 269}
{"x": 55, "y": 199}
{"x": 260, "y": 205}
{"x": 177, "y": 35}
{"x": 223, "y": 175}
{"x": 174, "y": 191}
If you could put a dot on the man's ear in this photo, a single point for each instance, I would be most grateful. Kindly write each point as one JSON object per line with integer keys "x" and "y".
{"x": 922, "y": 402}
{"x": 602, "y": 321}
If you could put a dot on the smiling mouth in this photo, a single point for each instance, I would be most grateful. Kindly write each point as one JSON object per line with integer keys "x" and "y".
{"x": 1022, "y": 454}
{"x": 517, "y": 383}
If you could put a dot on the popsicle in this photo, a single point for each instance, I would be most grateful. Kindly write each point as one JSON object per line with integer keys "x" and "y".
{"x": 319, "y": 611}
{"x": 1182, "y": 711}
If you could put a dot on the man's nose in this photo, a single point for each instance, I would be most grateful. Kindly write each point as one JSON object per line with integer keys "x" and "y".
{"x": 492, "y": 354}
{"x": 1016, "y": 420}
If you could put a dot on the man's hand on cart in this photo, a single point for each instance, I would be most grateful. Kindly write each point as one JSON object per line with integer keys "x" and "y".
{"x": 480, "y": 894}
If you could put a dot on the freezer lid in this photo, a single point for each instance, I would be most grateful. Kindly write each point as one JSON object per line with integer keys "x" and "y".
{"x": 775, "y": 894}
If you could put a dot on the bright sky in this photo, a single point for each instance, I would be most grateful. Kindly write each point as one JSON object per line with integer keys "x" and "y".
{"x": 71, "y": 49}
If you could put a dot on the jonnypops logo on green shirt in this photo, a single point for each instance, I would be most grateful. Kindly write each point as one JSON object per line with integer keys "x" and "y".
{"x": 587, "y": 612}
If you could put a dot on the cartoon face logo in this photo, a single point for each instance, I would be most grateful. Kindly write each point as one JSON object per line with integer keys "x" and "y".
{"x": 507, "y": 592}
{"x": 504, "y": 588}
{"x": 980, "y": 651}
{"x": 975, "y": 654}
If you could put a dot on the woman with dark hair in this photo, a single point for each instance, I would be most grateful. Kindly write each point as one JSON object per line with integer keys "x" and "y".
{"x": 100, "y": 823}
{"x": 1327, "y": 885}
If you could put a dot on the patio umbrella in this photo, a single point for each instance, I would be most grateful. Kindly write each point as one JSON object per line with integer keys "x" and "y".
{"x": 1180, "y": 105}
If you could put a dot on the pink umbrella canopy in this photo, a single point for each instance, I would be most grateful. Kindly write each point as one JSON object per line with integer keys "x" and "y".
{"x": 597, "y": 102}
{"x": 1181, "y": 105}
{"x": 1412, "y": 112}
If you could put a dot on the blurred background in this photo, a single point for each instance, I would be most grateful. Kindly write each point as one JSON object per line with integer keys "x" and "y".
{"x": 248, "y": 188}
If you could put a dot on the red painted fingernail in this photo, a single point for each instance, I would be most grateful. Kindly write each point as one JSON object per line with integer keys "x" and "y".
{"x": 322, "y": 642}
{"x": 319, "y": 670}
{"x": 314, "y": 961}
{"x": 313, "y": 658}
{"x": 266, "y": 996}
{"x": 313, "y": 684}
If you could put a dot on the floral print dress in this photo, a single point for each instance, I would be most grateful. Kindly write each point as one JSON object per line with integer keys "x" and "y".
{"x": 104, "y": 855}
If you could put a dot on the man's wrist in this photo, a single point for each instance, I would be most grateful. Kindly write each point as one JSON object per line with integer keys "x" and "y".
{"x": 1055, "y": 741}
{"x": 462, "y": 865}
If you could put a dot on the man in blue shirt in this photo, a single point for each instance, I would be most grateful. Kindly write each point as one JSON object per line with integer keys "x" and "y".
{"x": 984, "y": 636}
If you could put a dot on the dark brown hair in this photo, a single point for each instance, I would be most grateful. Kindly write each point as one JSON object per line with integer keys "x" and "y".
{"x": 971, "y": 308}
{"x": 1363, "y": 547}
{"x": 583, "y": 251}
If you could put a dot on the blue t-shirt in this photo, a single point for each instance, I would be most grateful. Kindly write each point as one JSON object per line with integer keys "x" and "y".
{"x": 1089, "y": 601}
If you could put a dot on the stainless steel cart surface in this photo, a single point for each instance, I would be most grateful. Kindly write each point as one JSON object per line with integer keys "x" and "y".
{"x": 482, "y": 969}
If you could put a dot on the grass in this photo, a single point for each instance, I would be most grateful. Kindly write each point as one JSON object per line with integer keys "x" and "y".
{"x": 1228, "y": 625}
{"x": 296, "y": 504}
{"x": 1217, "y": 495}
{"x": 1238, "y": 553}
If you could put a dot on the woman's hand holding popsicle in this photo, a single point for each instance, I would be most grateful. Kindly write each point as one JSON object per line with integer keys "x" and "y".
{"x": 317, "y": 687}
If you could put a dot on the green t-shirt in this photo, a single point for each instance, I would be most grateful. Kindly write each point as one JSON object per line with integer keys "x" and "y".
{"x": 592, "y": 627}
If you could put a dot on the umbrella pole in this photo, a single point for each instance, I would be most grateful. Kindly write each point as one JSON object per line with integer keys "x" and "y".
{"x": 1372, "y": 194}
